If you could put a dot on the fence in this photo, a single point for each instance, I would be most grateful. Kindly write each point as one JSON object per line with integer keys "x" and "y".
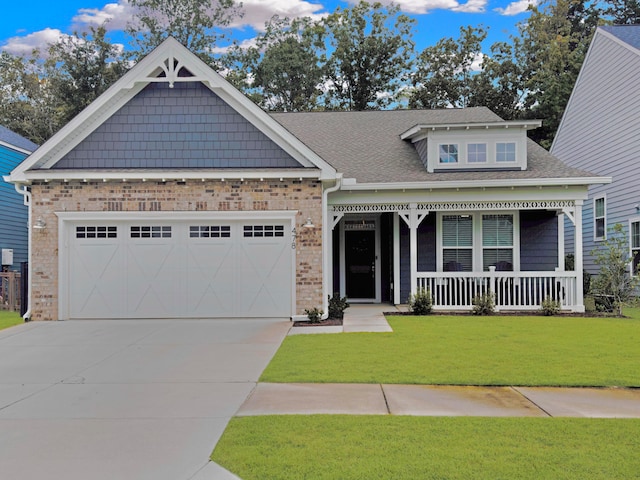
{"x": 10, "y": 291}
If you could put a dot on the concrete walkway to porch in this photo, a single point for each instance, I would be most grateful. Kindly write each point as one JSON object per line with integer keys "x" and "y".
{"x": 357, "y": 318}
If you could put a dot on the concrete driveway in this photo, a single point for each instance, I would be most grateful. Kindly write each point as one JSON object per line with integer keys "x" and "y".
{"x": 125, "y": 399}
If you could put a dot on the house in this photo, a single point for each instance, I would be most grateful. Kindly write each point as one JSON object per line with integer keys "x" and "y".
{"x": 173, "y": 195}
{"x": 599, "y": 132}
{"x": 13, "y": 211}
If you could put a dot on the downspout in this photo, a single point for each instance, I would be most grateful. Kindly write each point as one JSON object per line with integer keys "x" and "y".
{"x": 326, "y": 238}
{"x": 24, "y": 191}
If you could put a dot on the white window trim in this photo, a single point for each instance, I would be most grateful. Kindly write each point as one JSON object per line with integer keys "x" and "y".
{"x": 477, "y": 247}
{"x": 515, "y": 153}
{"x": 486, "y": 153}
{"x": 632, "y": 220}
{"x": 595, "y": 229}
{"x": 458, "y": 153}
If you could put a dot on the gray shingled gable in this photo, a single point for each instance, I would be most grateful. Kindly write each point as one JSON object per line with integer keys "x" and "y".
{"x": 12, "y": 138}
{"x": 367, "y": 145}
{"x": 187, "y": 126}
{"x": 629, "y": 34}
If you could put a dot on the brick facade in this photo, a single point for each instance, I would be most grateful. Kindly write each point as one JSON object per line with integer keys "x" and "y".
{"x": 305, "y": 196}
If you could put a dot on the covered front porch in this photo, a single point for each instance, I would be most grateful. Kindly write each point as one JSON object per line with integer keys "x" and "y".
{"x": 457, "y": 250}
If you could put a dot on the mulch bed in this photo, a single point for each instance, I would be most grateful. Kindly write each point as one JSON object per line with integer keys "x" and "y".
{"x": 321, "y": 323}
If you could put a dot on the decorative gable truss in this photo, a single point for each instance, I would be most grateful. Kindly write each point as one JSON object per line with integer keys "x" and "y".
{"x": 472, "y": 146}
{"x": 170, "y": 64}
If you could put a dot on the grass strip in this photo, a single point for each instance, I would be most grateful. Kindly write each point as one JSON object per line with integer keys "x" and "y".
{"x": 9, "y": 319}
{"x": 365, "y": 447}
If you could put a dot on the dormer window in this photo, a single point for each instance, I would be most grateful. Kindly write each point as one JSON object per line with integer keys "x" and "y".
{"x": 449, "y": 153}
{"x": 477, "y": 152}
{"x": 499, "y": 145}
{"x": 505, "y": 152}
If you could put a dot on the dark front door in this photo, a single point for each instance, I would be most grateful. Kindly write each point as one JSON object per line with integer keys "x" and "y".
{"x": 360, "y": 261}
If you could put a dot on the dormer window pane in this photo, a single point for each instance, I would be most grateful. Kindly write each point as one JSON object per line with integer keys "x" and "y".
{"x": 477, "y": 152}
{"x": 449, "y": 153}
{"x": 506, "y": 152}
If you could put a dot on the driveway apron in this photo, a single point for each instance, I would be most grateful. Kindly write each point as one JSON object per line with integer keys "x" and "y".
{"x": 125, "y": 399}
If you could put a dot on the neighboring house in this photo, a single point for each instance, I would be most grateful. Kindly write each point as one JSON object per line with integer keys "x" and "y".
{"x": 13, "y": 211}
{"x": 600, "y": 132}
{"x": 173, "y": 195}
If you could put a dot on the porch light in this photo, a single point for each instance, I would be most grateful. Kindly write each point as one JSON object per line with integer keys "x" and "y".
{"x": 308, "y": 223}
{"x": 40, "y": 224}
{"x": 294, "y": 233}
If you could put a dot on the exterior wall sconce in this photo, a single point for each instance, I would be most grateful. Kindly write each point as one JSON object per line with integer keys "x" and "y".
{"x": 294, "y": 233}
{"x": 40, "y": 224}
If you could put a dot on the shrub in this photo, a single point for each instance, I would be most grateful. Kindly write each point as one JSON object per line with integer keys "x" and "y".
{"x": 550, "y": 307}
{"x": 483, "y": 304}
{"x": 314, "y": 314}
{"x": 420, "y": 303}
{"x": 337, "y": 306}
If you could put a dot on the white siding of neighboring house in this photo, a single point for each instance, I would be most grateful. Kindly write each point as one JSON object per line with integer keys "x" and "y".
{"x": 600, "y": 133}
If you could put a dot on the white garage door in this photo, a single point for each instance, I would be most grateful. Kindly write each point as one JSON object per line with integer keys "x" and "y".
{"x": 195, "y": 269}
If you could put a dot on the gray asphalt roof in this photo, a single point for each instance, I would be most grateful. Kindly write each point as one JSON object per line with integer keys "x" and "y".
{"x": 629, "y": 34}
{"x": 12, "y": 138}
{"x": 367, "y": 145}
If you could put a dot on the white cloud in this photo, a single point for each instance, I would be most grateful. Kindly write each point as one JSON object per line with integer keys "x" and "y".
{"x": 115, "y": 15}
{"x": 36, "y": 40}
{"x": 425, "y": 6}
{"x": 472, "y": 6}
{"x": 258, "y": 12}
{"x": 514, "y": 8}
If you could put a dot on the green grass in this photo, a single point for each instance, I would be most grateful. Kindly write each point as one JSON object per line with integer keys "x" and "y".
{"x": 9, "y": 319}
{"x": 383, "y": 447}
{"x": 468, "y": 350}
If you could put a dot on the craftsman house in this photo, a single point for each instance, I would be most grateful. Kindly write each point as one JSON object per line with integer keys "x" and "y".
{"x": 173, "y": 196}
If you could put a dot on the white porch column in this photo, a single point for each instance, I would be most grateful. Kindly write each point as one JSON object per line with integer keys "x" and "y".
{"x": 579, "y": 257}
{"x": 561, "y": 266}
{"x": 413, "y": 220}
{"x": 396, "y": 259}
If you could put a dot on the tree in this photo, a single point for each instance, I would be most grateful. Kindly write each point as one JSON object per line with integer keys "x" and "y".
{"x": 613, "y": 281}
{"x": 196, "y": 24}
{"x": 26, "y": 104}
{"x": 444, "y": 75}
{"x": 623, "y": 12}
{"x": 371, "y": 49}
{"x": 80, "y": 68}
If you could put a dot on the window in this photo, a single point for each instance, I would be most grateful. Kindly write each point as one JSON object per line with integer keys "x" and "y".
{"x": 264, "y": 231}
{"x": 477, "y": 152}
{"x": 457, "y": 243}
{"x": 210, "y": 231}
{"x": 599, "y": 219}
{"x": 96, "y": 232}
{"x": 635, "y": 246}
{"x": 151, "y": 232}
{"x": 497, "y": 242}
{"x": 506, "y": 152}
{"x": 449, "y": 153}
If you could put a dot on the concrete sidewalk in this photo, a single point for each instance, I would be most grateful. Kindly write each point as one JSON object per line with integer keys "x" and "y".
{"x": 357, "y": 318}
{"x": 429, "y": 400}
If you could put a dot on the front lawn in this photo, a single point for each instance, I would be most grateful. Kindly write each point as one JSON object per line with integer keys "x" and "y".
{"x": 468, "y": 350}
{"x": 408, "y": 448}
{"x": 9, "y": 319}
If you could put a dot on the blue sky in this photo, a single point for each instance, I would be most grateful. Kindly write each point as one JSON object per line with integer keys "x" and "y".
{"x": 33, "y": 23}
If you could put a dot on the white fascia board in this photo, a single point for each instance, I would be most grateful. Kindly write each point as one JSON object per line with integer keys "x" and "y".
{"x": 421, "y": 128}
{"x": 13, "y": 147}
{"x": 156, "y": 175}
{"x": 528, "y": 182}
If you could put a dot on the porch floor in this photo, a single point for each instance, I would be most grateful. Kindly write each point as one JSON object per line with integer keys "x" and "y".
{"x": 358, "y": 317}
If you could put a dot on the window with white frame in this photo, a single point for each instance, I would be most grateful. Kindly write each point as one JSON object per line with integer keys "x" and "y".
{"x": 497, "y": 242}
{"x": 448, "y": 153}
{"x": 505, "y": 152}
{"x": 477, "y": 153}
{"x": 599, "y": 218}
{"x": 457, "y": 243}
{"x": 635, "y": 246}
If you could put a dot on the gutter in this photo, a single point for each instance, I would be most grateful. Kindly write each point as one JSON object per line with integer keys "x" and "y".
{"x": 326, "y": 261}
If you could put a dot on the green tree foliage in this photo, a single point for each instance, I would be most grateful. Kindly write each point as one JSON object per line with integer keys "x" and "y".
{"x": 623, "y": 12}
{"x": 445, "y": 75}
{"x": 198, "y": 24}
{"x": 372, "y": 50}
{"x": 80, "y": 68}
{"x": 614, "y": 282}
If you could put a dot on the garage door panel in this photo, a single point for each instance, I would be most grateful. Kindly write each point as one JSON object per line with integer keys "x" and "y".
{"x": 210, "y": 279}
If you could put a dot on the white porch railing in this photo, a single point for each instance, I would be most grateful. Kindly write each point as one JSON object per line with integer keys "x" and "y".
{"x": 512, "y": 290}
